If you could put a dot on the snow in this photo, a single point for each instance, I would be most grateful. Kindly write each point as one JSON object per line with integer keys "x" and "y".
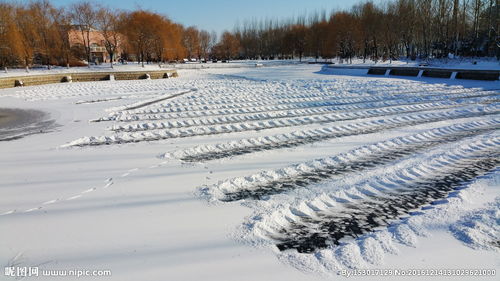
{"x": 450, "y": 63}
{"x": 480, "y": 228}
{"x": 133, "y": 66}
{"x": 136, "y": 175}
{"x": 105, "y": 67}
{"x": 457, "y": 63}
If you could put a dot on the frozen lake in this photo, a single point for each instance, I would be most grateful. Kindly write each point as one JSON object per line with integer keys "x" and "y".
{"x": 285, "y": 172}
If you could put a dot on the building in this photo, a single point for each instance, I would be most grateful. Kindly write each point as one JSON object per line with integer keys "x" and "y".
{"x": 98, "y": 52}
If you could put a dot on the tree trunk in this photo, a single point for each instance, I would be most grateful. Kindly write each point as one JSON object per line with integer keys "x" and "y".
{"x": 455, "y": 24}
{"x": 87, "y": 47}
{"x": 365, "y": 51}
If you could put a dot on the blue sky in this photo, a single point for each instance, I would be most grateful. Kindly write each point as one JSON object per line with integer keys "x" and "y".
{"x": 220, "y": 15}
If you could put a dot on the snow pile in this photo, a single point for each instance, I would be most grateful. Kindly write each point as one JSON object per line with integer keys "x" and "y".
{"x": 480, "y": 229}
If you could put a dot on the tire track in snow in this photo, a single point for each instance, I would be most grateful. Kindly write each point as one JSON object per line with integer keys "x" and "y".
{"x": 364, "y": 216}
{"x": 377, "y": 202}
{"x": 251, "y": 126}
{"x": 324, "y": 104}
{"x": 257, "y": 103}
{"x": 359, "y": 160}
{"x": 279, "y": 115}
{"x": 101, "y": 88}
{"x": 251, "y": 145}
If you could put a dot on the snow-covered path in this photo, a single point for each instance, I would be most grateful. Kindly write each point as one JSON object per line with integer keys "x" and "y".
{"x": 273, "y": 173}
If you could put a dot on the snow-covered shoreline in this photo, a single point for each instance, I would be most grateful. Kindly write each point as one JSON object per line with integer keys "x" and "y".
{"x": 466, "y": 63}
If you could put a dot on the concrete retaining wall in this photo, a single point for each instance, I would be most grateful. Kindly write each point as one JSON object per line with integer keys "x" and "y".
{"x": 376, "y": 71}
{"x": 490, "y": 75}
{"x": 404, "y": 72}
{"x": 32, "y": 80}
{"x": 437, "y": 73}
{"x": 478, "y": 75}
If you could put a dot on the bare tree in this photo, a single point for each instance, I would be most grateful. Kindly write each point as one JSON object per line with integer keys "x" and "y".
{"x": 46, "y": 28}
{"x": 456, "y": 8}
{"x": 10, "y": 47}
{"x": 213, "y": 41}
{"x": 84, "y": 16}
{"x": 29, "y": 38}
{"x": 150, "y": 35}
{"x": 205, "y": 43}
{"x": 192, "y": 42}
{"x": 228, "y": 46}
{"x": 62, "y": 22}
{"x": 109, "y": 23}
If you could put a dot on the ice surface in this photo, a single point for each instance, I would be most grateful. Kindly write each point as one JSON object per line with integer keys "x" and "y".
{"x": 132, "y": 178}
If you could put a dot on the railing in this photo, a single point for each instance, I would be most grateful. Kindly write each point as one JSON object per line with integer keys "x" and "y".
{"x": 97, "y": 49}
{"x": 470, "y": 74}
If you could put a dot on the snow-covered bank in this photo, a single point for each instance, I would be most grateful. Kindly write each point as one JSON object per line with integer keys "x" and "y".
{"x": 81, "y": 69}
{"x": 459, "y": 63}
{"x": 134, "y": 66}
{"x": 454, "y": 63}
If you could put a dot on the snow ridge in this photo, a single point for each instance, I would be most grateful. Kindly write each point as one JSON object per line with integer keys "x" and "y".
{"x": 423, "y": 189}
{"x": 152, "y": 135}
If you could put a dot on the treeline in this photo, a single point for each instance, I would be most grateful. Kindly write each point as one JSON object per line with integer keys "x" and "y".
{"x": 410, "y": 28}
{"x": 39, "y": 33}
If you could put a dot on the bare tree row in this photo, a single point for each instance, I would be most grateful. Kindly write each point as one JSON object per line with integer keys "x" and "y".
{"x": 40, "y": 33}
{"x": 411, "y": 28}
